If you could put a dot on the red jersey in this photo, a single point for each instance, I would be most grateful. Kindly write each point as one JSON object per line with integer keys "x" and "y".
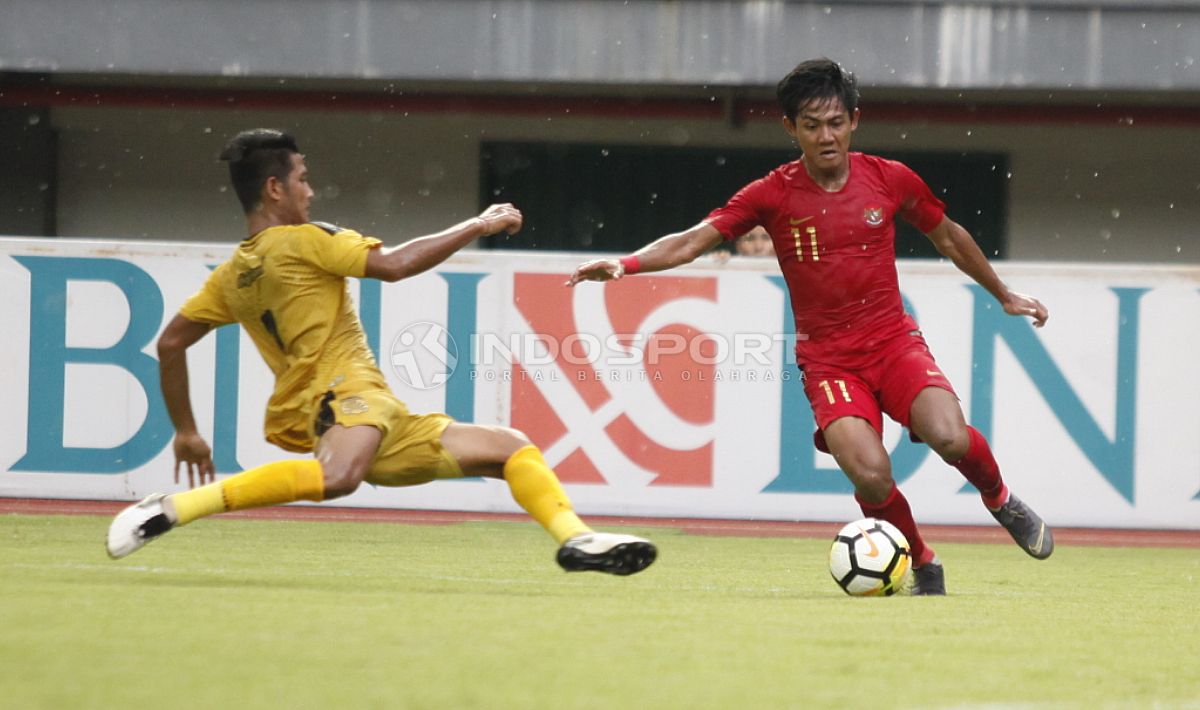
{"x": 837, "y": 251}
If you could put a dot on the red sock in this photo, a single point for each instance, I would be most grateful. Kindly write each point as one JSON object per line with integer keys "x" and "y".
{"x": 895, "y": 510}
{"x": 980, "y": 468}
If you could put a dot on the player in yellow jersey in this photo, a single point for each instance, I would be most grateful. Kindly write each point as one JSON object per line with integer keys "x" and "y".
{"x": 286, "y": 285}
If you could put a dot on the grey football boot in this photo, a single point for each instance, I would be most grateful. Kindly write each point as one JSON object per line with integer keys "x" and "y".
{"x": 929, "y": 580}
{"x": 1025, "y": 526}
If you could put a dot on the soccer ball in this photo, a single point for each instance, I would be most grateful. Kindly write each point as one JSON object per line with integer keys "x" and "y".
{"x": 869, "y": 558}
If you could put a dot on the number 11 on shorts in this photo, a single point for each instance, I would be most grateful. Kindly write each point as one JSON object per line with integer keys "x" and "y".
{"x": 824, "y": 384}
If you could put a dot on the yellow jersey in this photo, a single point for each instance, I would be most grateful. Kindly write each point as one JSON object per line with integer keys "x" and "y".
{"x": 287, "y": 287}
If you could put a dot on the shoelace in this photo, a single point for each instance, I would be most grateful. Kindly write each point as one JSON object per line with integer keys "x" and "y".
{"x": 1015, "y": 513}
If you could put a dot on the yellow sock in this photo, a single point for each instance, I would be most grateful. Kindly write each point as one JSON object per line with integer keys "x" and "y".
{"x": 535, "y": 487}
{"x": 269, "y": 484}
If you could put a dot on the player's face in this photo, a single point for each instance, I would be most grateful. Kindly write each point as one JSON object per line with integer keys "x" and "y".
{"x": 822, "y": 130}
{"x": 296, "y": 191}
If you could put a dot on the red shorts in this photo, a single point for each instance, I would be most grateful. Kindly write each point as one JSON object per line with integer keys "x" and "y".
{"x": 904, "y": 368}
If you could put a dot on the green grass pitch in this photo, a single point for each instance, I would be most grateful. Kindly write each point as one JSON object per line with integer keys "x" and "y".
{"x": 275, "y": 614}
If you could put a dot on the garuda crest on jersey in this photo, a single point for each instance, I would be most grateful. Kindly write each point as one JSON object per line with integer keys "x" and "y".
{"x": 873, "y": 216}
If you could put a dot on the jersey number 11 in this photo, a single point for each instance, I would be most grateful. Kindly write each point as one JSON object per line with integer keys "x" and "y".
{"x": 811, "y": 233}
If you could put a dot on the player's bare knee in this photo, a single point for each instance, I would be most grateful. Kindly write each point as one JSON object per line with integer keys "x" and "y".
{"x": 949, "y": 442}
{"x": 514, "y": 438}
{"x": 872, "y": 478}
{"x": 873, "y": 486}
{"x": 341, "y": 482}
{"x": 954, "y": 451}
{"x": 507, "y": 441}
{"x": 340, "y": 489}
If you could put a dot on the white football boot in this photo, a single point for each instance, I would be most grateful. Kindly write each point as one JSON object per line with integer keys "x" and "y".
{"x": 606, "y": 552}
{"x": 137, "y": 525}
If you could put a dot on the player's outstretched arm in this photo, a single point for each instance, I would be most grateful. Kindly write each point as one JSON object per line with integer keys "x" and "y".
{"x": 424, "y": 253}
{"x": 956, "y": 244}
{"x": 662, "y": 254}
{"x": 190, "y": 448}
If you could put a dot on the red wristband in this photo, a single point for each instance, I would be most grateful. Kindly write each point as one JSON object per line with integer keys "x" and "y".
{"x": 631, "y": 264}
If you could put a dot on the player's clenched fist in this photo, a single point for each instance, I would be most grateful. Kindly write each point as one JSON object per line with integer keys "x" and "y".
{"x": 597, "y": 270}
{"x": 1018, "y": 304}
{"x": 501, "y": 218}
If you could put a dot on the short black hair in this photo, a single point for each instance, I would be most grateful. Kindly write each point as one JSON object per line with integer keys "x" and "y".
{"x": 254, "y": 156}
{"x": 820, "y": 79}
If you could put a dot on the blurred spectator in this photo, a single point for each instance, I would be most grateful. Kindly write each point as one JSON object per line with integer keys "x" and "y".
{"x": 756, "y": 242}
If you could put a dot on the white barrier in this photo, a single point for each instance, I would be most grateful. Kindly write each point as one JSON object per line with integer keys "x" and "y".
{"x": 661, "y": 395}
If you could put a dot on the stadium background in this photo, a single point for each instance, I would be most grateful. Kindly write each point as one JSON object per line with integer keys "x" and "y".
{"x": 119, "y": 107}
{"x": 1060, "y": 132}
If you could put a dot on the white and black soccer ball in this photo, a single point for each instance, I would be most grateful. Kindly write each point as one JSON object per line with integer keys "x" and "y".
{"x": 870, "y": 558}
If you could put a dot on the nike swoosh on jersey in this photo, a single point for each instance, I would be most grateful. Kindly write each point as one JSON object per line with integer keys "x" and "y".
{"x": 792, "y": 221}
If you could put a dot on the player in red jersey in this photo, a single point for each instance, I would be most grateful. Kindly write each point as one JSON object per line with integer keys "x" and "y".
{"x": 831, "y": 217}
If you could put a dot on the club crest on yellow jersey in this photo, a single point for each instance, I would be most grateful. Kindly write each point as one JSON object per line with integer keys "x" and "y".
{"x": 354, "y": 405}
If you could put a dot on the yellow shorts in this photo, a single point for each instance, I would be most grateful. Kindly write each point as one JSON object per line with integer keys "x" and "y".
{"x": 410, "y": 452}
